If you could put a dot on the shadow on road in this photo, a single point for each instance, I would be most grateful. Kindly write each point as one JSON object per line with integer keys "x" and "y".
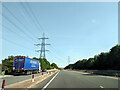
{"x": 90, "y": 74}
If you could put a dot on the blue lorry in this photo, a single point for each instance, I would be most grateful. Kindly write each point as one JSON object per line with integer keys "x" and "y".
{"x": 24, "y": 65}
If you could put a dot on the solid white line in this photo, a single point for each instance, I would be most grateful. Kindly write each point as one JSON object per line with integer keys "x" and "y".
{"x": 101, "y": 87}
{"x": 49, "y": 81}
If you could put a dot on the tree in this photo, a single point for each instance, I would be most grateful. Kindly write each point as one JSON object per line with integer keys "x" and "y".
{"x": 44, "y": 63}
{"x": 7, "y": 64}
{"x": 89, "y": 63}
{"x": 105, "y": 60}
{"x": 114, "y": 57}
{"x": 54, "y": 65}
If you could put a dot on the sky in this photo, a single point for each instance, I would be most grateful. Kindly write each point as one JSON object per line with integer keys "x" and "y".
{"x": 76, "y": 29}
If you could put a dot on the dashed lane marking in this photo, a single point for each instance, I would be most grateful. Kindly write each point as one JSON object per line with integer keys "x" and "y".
{"x": 101, "y": 87}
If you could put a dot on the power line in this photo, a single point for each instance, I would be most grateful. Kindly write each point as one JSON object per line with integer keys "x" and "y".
{"x": 16, "y": 19}
{"x": 58, "y": 57}
{"x": 30, "y": 16}
{"x": 8, "y": 29}
{"x": 57, "y": 51}
{"x": 17, "y": 27}
{"x": 19, "y": 20}
{"x": 37, "y": 22}
{"x": 34, "y": 16}
{"x": 15, "y": 43}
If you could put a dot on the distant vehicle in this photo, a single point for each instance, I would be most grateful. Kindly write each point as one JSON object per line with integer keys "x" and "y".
{"x": 44, "y": 70}
{"x": 24, "y": 65}
{"x": 61, "y": 69}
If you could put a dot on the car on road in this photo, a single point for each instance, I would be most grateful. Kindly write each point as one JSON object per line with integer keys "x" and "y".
{"x": 44, "y": 70}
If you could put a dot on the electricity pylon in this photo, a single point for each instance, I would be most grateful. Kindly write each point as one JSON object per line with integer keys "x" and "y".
{"x": 42, "y": 51}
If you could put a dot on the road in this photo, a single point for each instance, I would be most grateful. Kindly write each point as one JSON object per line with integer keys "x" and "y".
{"x": 74, "y": 79}
{"x": 15, "y": 79}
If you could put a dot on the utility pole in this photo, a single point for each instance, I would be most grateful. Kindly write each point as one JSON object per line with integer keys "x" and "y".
{"x": 68, "y": 60}
{"x": 42, "y": 51}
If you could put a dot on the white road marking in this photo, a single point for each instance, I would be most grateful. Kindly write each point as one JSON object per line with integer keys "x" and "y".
{"x": 101, "y": 87}
{"x": 49, "y": 82}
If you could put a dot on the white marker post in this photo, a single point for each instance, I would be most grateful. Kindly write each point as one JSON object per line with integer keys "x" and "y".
{"x": 3, "y": 84}
{"x": 32, "y": 78}
{"x": 42, "y": 74}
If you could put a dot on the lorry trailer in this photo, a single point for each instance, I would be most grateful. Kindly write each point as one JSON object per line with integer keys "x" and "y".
{"x": 24, "y": 65}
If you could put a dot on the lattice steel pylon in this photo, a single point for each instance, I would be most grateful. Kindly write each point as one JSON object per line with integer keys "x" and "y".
{"x": 68, "y": 60}
{"x": 42, "y": 51}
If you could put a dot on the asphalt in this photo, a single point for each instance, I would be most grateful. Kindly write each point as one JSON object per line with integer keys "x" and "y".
{"x": 74, "y": 79}
{"x": 15, "y": 79}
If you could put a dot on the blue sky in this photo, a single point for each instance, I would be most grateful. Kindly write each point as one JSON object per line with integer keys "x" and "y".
{"x": 79, "y": 30}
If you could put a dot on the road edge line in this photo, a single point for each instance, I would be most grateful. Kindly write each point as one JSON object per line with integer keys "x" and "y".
{"x": 40, "y": 81}
{"x": 49, "y": 82}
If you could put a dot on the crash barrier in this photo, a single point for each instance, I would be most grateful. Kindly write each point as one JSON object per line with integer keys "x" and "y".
{"x": 115, "y": 73}
{"x": 48, "y": 72}
{"x": 106, "y": 72}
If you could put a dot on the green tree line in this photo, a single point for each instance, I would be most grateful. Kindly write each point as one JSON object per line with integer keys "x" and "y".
{"x": 7, "y": 64}
{"x": 46, "y": 64}
{"x": 104, "y": 61}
